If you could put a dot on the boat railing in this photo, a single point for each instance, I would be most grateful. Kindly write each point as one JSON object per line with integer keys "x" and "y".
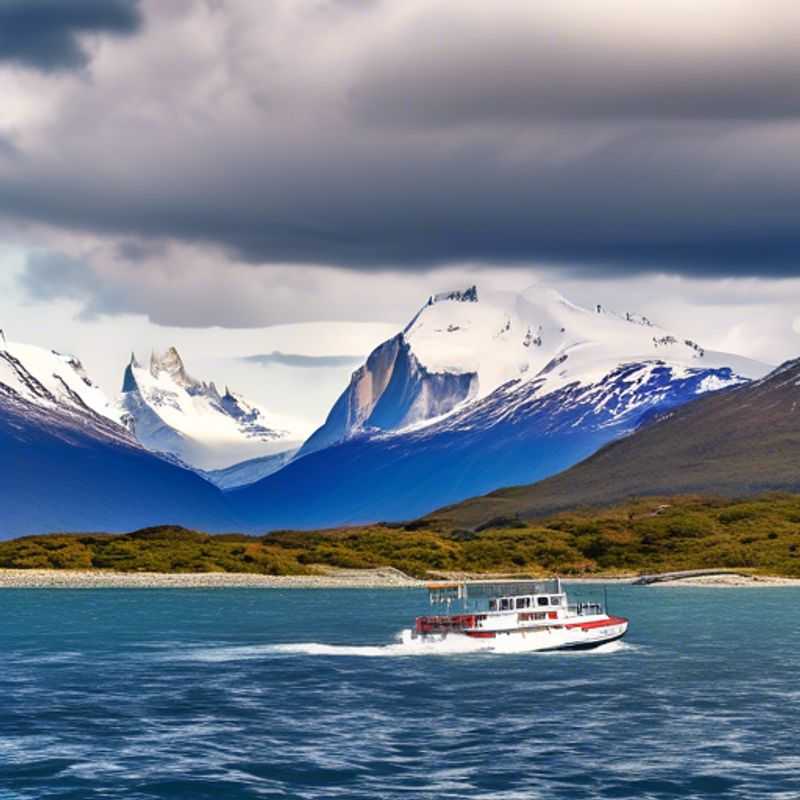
{"x": 584, "y": 609}
{"x": 449, "y": 592}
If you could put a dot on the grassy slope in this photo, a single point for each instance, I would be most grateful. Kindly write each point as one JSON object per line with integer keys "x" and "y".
{"x": 651, "y": 534}
{"x": 734, "y": 443}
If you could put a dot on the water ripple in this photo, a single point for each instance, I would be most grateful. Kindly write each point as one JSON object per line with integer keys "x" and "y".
{"x": 243, "y": 694}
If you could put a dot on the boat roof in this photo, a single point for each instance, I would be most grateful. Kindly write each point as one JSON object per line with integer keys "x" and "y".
{"x": 511, "y": 588}
{"x": 490, "y": 589}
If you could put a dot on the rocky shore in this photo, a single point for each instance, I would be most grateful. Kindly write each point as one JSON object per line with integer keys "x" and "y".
{"x": 713, "y": 577}
{"x": 383, "y": 578}
{"x": 386, "y": 578}
{"x": 731, "y": 581}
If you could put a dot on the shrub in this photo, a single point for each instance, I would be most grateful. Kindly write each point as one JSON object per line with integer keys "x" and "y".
{"x": 500, "y": 523}
{"x": 690, "y": 532}
{"x": 736, "y": 514}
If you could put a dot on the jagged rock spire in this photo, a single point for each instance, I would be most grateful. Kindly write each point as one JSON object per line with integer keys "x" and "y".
{"x": 129, "y": 379}
{"x": 171, "y": 363}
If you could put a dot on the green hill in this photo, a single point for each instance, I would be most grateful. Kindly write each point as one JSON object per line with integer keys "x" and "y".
{"x": 648, "y": 535}
{"x": 732, "y": 443}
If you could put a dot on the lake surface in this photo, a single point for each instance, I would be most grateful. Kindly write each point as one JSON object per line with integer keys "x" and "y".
{"x": 240, "y": 693}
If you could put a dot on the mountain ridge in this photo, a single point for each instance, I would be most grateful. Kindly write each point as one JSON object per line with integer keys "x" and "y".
{"x": 462, "y": 345}
{"x": 740, "y": 441}
{"x": 550, "y": 383}
{"x": 66, "y": 465}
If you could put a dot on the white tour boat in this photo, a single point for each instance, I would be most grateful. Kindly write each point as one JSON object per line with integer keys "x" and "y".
{"x": 535, "y": 614}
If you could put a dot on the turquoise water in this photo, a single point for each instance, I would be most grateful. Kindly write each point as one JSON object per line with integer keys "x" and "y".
{"x": 195, "y": 694}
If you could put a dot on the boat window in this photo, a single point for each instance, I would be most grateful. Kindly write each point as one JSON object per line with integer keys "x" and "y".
{"x": 555, "y": 601}
{"x": 521, "y": 602}
{"x": 542, "y": 601}
{"x": 493, "y": 605}
{"x": 504, "y": 604}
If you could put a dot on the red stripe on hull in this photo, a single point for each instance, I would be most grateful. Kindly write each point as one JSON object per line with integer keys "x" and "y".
{"x": 586, "y": 626}
{"x": 600, "y": 623}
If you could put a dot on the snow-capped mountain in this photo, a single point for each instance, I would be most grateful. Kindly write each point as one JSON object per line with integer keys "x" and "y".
{"x": 483, "y": 392}
{"x": 462, "y": 346}
{"x": 52, "y": 380}
{"x": 68, "y": 464}
{"x": 171, "y": 412}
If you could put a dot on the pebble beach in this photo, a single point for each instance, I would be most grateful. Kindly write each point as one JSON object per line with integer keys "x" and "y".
{"x": 384, "y": 578}
{"x": 101, "y": 579}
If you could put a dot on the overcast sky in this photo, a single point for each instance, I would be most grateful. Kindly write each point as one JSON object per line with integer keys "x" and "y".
{"x": 291, "y": 180}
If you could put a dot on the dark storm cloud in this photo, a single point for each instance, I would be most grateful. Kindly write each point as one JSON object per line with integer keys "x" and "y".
{"x": 646, "y": 201}
{"x": 138, "y": 251}
{"x": 533, "y": 76}
{"x": 304, "y": 362}
{"x": 45, "y": 34}
{"x": 50, "y": 275}
{"x": 7, "y": 148}
{"x": 409, "y": 134}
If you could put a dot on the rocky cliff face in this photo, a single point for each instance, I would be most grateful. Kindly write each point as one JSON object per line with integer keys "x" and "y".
{"x": 392, "y": 390}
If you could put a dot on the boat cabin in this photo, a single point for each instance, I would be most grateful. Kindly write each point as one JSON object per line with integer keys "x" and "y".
{"x": 530, "y": 600}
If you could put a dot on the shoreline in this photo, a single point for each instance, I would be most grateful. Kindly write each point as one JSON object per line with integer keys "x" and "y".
{"x": 382, "y": 578}
{"x": 107, "y": 579}
{"x": 730, "y": 582}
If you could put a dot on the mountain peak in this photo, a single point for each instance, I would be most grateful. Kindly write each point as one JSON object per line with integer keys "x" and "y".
{"x": 129, "y": 379}
{"x": 468, "y": 295}
{"x": 172, "y": 364}
{"x": 173, "y": 412}
{"x": 456, "y": 351}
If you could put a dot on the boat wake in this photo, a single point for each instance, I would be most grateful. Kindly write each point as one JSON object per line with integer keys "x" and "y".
{"x": 404, "y": 646}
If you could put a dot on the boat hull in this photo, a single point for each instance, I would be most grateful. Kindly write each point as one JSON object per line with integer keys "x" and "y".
{"x": 588, "y": 645}
{"x": 542, "y": 639}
